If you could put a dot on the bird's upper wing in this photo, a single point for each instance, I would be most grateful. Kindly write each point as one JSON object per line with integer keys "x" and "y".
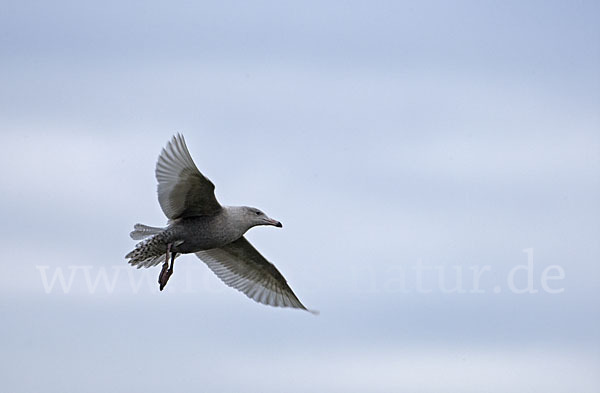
{"x": 182, "y": 190}
{"x": 240, "y": 265}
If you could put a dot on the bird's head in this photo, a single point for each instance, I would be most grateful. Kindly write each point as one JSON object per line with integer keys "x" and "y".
{"x": 257, "y": 217}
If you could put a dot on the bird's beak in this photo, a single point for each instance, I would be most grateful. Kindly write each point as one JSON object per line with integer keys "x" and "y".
{"x": 275, "y": 223}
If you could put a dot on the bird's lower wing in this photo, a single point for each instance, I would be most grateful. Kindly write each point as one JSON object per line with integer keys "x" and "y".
{"x": 241, "y": 266}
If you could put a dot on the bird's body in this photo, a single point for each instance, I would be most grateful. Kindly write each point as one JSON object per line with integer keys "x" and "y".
{"x": 199, "y": 224}
{"x": 190, "y": 234}
{"x": 193, "y": 234}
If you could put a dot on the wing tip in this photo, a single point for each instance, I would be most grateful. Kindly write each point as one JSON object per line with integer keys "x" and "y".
{"x": 313, "y": 312}
{"x": 177, "y": 137}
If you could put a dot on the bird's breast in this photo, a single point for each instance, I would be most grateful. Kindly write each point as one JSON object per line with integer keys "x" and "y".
{"x": 203, "y": 233}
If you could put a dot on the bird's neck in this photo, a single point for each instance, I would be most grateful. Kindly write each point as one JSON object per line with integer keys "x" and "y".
{"x": 236, "y": 219}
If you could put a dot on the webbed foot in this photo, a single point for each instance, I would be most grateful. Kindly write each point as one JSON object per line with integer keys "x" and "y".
{"x": 166, "y": 270}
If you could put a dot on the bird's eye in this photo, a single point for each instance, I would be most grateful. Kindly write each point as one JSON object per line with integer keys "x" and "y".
{"x": 258, "y": 213}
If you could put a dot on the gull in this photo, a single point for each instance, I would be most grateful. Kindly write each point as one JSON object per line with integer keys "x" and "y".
{"x": 198, "y": 224}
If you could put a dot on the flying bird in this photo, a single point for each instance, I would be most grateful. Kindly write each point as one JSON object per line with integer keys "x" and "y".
{"x": 215, "y": 233}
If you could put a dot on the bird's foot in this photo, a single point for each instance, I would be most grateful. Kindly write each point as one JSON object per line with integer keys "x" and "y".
{"x": 165, "y": 273}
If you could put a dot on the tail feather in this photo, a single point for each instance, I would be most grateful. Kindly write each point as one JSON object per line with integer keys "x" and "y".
{"x": 141, "y": 231}
{"x": 148, "y": 252}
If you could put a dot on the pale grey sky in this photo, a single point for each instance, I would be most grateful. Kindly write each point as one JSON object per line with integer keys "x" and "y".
{"x": 385, "y": 136}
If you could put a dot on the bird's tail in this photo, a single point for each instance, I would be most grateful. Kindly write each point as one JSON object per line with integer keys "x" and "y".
{"x": 141, "y": 231}
{"x": 149, "y": 252}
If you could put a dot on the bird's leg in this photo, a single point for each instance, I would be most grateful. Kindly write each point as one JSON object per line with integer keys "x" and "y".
{"x": 173, "y": 255}
{"x": 166, "y": 272}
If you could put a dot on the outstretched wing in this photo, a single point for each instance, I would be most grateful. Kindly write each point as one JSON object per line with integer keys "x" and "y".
{"x": 182, "y": 190}
{"x": 240, "y": 265}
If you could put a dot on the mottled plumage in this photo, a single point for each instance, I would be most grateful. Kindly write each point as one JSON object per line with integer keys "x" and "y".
{"x": 199, "y": 224}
